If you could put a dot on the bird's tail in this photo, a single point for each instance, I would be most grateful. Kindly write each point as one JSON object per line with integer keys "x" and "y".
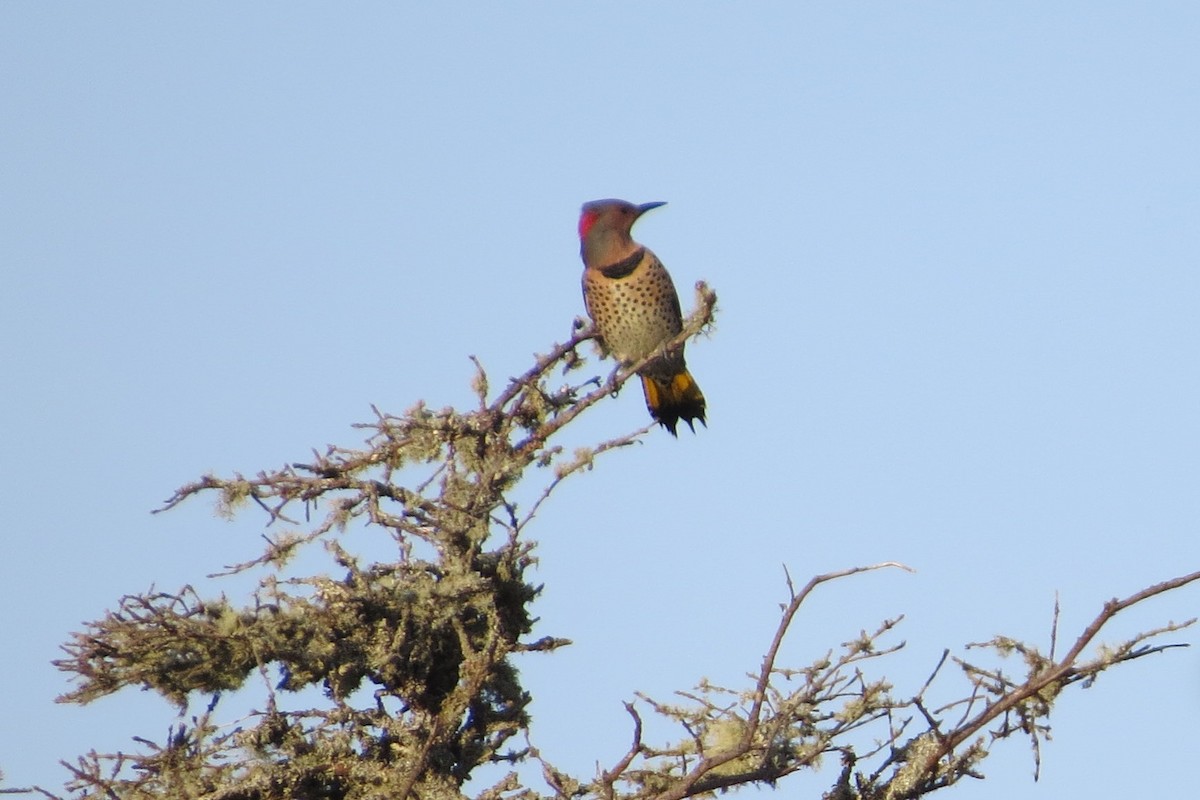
{"x": 674, "y": 398}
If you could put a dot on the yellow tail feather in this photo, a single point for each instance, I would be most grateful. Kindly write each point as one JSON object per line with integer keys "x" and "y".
{"x": 673, "y": 399}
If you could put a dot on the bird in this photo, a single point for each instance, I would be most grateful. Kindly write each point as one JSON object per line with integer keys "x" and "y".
{"x": 632, "y": 302}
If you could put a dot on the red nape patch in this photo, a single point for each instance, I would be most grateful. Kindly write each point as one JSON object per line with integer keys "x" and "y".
{"x": 586, "y": 220}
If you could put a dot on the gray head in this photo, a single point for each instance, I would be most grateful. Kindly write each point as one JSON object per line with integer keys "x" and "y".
{"x": 604, "y": 228}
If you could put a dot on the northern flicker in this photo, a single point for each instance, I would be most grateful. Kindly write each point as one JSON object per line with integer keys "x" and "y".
{"x": 631, "y": 298}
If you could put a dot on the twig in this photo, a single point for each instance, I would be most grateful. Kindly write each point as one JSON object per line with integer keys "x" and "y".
{"x": 609, "y": 777}
{"x": 683, "y": 788}
{"x": 1048, "y": 677}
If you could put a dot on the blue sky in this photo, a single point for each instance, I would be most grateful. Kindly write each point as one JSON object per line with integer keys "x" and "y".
{"x": 955, "y": 246}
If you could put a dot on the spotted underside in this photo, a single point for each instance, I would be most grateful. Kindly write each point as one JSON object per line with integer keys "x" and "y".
{"x": 635, "y": 308}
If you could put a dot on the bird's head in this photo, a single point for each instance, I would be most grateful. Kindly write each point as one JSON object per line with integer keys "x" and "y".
{"x": 604, "y": 229}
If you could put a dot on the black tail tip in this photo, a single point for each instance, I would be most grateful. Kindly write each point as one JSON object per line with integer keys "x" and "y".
{"x": 669, "y": 419}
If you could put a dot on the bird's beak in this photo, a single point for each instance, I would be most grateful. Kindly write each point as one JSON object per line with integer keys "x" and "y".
{"x": 644, "y": 207}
